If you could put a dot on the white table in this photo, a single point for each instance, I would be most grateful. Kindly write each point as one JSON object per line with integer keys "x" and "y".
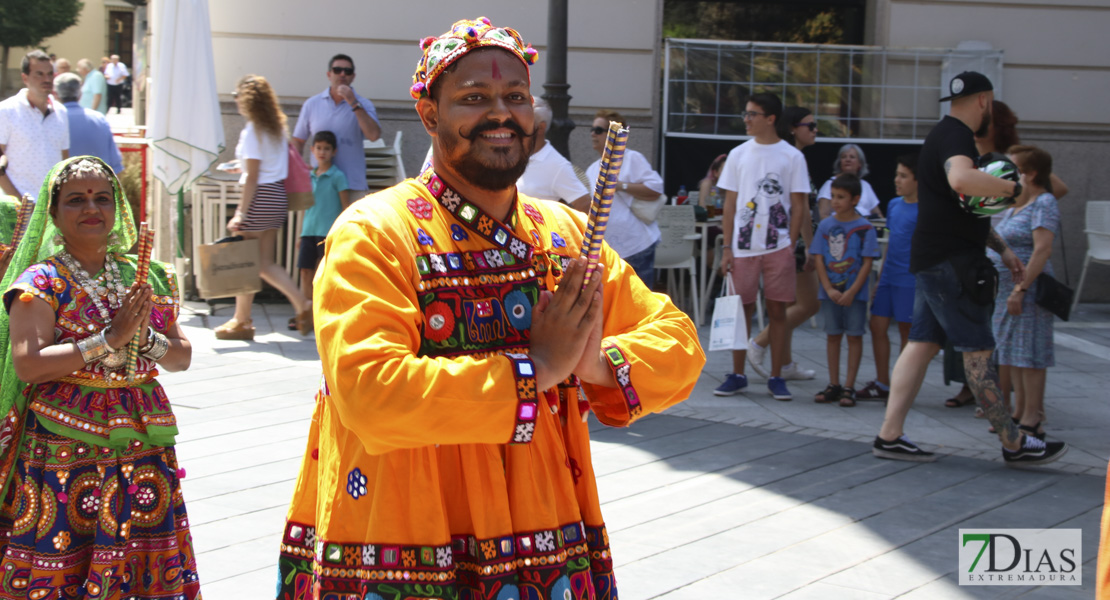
{"x": 706, "y": 243}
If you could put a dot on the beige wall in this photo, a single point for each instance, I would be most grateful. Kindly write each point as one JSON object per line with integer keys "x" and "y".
{"x": 1057, "y": 53}
{"x": 607, "y": 66}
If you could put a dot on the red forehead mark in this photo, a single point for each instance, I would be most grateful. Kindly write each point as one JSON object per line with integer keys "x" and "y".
{"x": 496, "y": 74}
{"x": 88, "y": 191}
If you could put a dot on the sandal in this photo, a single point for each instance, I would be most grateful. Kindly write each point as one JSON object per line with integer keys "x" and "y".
{"x": 957, "y": 402}
{"x": 829, "y": 394}
{"x": 304, "y": 320}
{"x": 1033, "y": 430}
{"x": 292, "y": 324}
{"x": 847, "y": 397}
{"x": 234, "y": 330}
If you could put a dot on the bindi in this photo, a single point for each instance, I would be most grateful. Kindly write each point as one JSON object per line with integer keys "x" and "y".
{"x": 496, "y": 72}
{"x": 89, "y": 191}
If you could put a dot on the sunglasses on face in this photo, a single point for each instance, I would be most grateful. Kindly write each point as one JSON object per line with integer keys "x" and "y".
{"x": 599, "y": 130}
{"x": 812, "y": 126}
{"x": 751, "y": 114}
{"x": 343, "y": 70}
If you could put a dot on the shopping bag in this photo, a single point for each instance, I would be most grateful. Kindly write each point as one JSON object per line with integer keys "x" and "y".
{"x": 298, "y": 182}
{"x": 648, "y": 210}
{"x": 229, "y": 267}
{"x": 730, "y": 326}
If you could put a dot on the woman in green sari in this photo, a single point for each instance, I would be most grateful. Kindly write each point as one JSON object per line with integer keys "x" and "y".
{"x": 92, "y": 503}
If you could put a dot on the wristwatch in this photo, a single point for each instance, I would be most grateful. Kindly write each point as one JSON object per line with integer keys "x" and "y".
{"x": 356, "y": 107}
{"x": 624, "y": 186}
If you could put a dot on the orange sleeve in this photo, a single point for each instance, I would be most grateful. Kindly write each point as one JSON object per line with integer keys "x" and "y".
{"x": 368, "y": 323}
{"x": 1102, "y": 576}
{"x": 652, "y": 346}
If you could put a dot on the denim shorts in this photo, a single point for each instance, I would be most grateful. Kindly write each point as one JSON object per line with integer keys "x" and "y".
{"x": 849, "y": 320}
{"x": 941, "y": 311}
{"x": 643, "y": 263}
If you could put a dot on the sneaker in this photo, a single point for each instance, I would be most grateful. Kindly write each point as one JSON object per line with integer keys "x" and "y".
{"x": 793, "y": 372}
{"x": 734, "y": 384}
{"x": 901, "y": 449}
{"x": 755, "y": 358}
{"x": 1034, "y": 452}
{"x": 872, "y": 391}
{"x": 777, "y": 387}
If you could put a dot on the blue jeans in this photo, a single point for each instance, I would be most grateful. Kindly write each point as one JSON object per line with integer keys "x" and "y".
{"x": 942, "y": 311}
{"x": 643, "y": 262}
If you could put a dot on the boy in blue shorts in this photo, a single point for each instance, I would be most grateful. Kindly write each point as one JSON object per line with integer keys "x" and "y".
{"x": 330, "y": 189}
{"x": 845, "y": 245}
{"x": 894, "y": 294}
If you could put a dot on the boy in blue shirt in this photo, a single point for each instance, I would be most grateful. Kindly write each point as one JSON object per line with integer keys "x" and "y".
{"x": 895, "y": 291}
{"x": 845, "y": 245}
{"x": 330, "y": 190}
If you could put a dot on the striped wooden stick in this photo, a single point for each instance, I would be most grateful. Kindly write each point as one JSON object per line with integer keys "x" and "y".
{"x": 142, "y": 272}
{"x": 604, "y": 188}
{"x": 22, "y": 219}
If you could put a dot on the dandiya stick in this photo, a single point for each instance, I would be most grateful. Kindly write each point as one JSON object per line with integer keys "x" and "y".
{"x": 22, "y": 219}
{"x": 142, "y": 272}
{"x": 604, "y": 188}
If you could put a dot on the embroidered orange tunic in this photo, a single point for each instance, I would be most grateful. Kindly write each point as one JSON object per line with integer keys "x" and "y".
{"x": 434, "y": 467}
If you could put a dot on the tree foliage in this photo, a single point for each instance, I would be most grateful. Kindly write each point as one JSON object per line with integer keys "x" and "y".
{"x": 26, "y": 23}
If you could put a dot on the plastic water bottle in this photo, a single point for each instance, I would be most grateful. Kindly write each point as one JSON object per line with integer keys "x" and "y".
{"x": 682, "y": 195}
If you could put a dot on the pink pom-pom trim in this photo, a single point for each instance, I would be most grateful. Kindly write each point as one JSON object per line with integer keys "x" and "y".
{"x": 131, "y": 489}
{"x": 485, "y": 20}
{"x": 62, "y": 497}
{"x": 418, "y": 88}
{"x": 181, "y": 473}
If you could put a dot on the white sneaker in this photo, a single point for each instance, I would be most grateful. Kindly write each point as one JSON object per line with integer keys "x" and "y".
{"x": 755, "y": 358}
{"x": 792, "y": 372}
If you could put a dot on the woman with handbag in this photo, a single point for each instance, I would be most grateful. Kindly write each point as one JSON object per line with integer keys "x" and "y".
{"x": 264, "y": 155}
{"x": 632, "y": 230}
{"x": 1022, "y": 328}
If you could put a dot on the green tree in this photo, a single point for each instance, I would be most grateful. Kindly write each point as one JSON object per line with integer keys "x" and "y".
{"x": 26, "y": 24}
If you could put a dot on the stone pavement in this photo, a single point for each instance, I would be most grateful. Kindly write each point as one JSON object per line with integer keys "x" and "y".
{"x": 740, "y": 497}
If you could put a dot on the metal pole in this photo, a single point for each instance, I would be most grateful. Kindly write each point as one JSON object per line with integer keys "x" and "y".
{"x": 556, "y": 86}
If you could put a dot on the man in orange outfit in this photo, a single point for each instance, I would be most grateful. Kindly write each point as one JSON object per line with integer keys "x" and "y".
{"x": 449, "y": 454}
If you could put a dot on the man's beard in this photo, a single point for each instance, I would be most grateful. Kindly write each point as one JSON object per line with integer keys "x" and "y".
{"x": 484, "y": 175}
{"x": 984, "y": 127}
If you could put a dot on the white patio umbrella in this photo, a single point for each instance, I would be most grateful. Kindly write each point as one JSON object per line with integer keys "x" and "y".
{"x": 185, "y": 125}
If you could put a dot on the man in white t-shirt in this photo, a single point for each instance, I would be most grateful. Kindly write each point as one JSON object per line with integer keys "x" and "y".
{"x": 549, "y": 175}
{"x": 34, "y": 129}
{"x": 766, "y": 186}
{"x": 116, "y": 73}
{"x": 633, "y": 239}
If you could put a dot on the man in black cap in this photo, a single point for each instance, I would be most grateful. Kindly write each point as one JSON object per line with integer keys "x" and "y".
{"x": 955, "y": 291}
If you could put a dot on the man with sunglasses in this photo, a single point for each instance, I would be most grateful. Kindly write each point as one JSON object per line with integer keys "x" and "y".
{"x": 349, "y": 116}
{"x": 766, "y": 189}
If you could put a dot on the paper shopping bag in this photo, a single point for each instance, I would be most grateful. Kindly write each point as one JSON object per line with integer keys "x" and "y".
{"x": 730, "y": 327}
{"x": 229, "y": 267}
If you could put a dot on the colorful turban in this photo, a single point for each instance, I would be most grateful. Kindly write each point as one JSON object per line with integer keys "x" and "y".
{"x": 465, "y": 35}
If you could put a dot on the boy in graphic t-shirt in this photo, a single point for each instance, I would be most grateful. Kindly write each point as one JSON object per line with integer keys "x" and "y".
{"x": 845, "y": 245}
{"x": 766, "y": 188}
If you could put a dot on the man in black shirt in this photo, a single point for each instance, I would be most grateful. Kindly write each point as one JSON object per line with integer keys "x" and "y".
{"x": 947, "y": 259}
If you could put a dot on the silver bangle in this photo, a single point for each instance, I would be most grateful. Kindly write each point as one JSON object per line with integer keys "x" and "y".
{"x": 159, "y": 348}
{"x": 93, "y": 347}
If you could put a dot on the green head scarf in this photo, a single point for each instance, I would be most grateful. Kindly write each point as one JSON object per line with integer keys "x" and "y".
{"x": 36, "y": 246}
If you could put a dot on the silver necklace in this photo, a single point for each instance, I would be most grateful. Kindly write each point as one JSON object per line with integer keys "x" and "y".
{"x": 106, "y": 291}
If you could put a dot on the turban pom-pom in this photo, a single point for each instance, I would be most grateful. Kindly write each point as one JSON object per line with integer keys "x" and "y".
{"x": 424, "y": 43}
{"x": 418, "y": 89}
{"x": 485, "y": 20}
{"x": 530, "y": 55}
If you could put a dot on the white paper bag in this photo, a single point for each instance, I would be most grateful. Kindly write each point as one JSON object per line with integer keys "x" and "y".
{"x": 730, "y": 327}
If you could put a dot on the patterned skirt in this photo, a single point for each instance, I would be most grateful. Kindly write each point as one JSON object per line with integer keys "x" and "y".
{"x": 269, "y": 208}
{"x": 83, "y": 521}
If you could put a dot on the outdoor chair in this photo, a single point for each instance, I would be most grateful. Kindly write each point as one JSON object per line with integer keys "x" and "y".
{"x": 675, "y": 252}
{"x": 1098, "y": 241}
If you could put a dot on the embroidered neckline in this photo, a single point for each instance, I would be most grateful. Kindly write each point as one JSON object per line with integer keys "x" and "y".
{"x": 502, "y": 235}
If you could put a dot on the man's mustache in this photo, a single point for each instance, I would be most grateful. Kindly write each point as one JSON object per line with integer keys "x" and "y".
{"x": 492, "y": 125}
